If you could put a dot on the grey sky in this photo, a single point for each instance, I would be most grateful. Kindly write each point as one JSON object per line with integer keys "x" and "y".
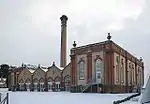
{"x": 30, "y": 29}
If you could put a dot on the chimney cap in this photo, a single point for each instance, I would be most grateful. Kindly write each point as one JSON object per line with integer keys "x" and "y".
{"x": 63, "y": 17}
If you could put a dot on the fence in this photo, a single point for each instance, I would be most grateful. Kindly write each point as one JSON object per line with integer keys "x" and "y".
{"x": 4, "y": 98}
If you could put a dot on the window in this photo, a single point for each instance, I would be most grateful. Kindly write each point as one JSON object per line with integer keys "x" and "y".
{"x": 49, "y": 86}
{"x": 131, "y": 79}
{"x": 50, "y": 83}
{"x": 133, "y": 73}
{"x": 117, "y": 73}
{"x": 130, "y": 74}
{"x": 41, "y": 86}
{"x": 81, "y": 70}
{"x": 98, "y": 65}
{"x": 98, "y": 75}
{"x": 28, "y": 86}
{"x": 67, "y": 83}
{"x": 35, "y": 86}
{"x": 21, "y": 86}
{"x": 122, "y": 71}
{"x": 98, "y": 68}
{"x": 57, "y": 86}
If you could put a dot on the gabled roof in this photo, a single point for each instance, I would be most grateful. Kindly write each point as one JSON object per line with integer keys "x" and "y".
{"x": 53, "y": 65}
{"x": 39, "y": 68}
{"x": 44, "y": 69}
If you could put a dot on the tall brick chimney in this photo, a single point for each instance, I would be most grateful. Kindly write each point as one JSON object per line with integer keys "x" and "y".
{"x": 63, "y": 19}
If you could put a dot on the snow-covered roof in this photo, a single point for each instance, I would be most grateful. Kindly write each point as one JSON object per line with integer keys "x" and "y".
{"x": 61, "y": 68}
{"x": 31, "y": 66}
{"x": 31, "y": 70}
{"x": 44, "y": 69}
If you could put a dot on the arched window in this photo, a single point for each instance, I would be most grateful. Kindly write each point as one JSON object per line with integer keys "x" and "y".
{"x": 28, "y": 83}
{"x": 35, "y": 81}
{"x": 50, "y": 84}
{"x": 57, "y": 83}
{"x": 98, "y": 66}
{"x": 67, "y": 83}
{"x": 41, "y": 82}
{"x": 81, "y": 70}
{"x": 21, "y": 84}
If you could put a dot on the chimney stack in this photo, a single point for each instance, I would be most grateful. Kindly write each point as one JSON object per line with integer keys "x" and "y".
{"x": 63, "y": 19}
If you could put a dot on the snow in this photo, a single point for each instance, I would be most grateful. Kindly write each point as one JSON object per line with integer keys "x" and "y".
{"x": 146, "y": 93}
{"x": 31, "y": 70}
{"x": 63, "y": 97}
{"x": 3, "y": 90}
{"x": 44, "y": 69}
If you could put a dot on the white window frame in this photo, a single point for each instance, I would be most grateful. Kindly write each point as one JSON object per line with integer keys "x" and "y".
{"x": 81, "y": 70}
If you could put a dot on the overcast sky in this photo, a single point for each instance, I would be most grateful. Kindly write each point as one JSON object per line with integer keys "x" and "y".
{"x": 30, "y": 29}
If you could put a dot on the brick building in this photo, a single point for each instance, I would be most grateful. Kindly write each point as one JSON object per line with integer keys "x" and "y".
{"x": 100, "y": 67}
{"x": 26, "y": 78}
{"x": 105, "y": 67}
{"x": 40, "y": 79}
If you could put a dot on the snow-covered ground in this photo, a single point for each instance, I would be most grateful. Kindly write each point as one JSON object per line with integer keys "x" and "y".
{"x": 65, "y": 98}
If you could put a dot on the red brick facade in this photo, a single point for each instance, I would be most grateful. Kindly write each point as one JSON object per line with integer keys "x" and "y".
{"x": 108, "y": 48}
